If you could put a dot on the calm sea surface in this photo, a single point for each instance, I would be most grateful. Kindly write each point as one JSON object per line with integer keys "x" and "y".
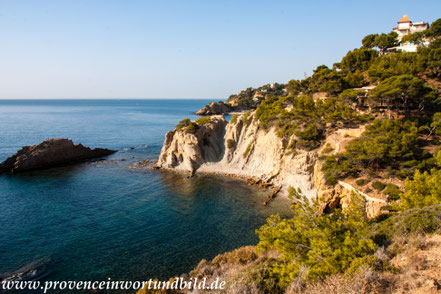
{"x": 104, "y": 220}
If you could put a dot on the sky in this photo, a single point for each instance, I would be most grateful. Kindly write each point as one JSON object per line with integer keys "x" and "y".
{"x": 180, "y": 48}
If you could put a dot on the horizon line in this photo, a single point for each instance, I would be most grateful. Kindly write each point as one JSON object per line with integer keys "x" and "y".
{"x": 114, "y": 98}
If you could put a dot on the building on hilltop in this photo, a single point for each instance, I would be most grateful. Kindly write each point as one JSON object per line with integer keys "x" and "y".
{"x": 405, "y": 27}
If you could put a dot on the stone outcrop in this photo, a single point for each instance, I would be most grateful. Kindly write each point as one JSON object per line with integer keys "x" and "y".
{"x": 186, "y": 151}
{"x": 242, "y": 149}
{"x": 52, "y": 152}
{"x": 214, "y": 108}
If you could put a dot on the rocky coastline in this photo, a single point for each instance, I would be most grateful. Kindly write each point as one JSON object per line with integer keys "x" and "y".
{"x": 241, "y": 149}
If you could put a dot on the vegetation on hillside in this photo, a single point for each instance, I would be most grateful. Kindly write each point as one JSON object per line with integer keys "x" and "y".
{"x": 401, "y": 142}
{"x": 402, "y": 112}
{"x": 251, "y": 97}
{"x": 305, "y": 118}
{"x": 324, "y": 244}
{"x": 191, "y": 127}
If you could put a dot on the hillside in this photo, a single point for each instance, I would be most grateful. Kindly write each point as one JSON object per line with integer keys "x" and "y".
{"x": 357, "y": 148}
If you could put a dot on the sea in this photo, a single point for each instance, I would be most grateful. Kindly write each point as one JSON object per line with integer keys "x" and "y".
{"x": 103, "y": 220}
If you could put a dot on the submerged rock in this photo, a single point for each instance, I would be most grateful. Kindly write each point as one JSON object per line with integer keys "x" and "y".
{"x": 36, "y": 270}
{"x": 140, "y": 164}
{"x": 214, "y": 108}
{"x": 52, "y": 152}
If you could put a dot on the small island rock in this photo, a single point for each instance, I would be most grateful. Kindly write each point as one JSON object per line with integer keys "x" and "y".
{"x": 214, "y": 108}
{"x": 52, "y": 152}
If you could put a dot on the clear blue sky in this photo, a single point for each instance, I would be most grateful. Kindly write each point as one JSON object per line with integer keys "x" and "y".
{"x": 182, "y": 48}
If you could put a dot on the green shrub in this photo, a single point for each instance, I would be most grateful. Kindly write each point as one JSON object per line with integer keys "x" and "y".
{"x": 413, "y": 221}
{"x": 308, "y": 138}
{"x": 183, "y": 123}
{"x": 323, "y": 243}
{"x": 393, "y": 65}
{"x": 358, "y": 59}
{"x": 247, "y": 151}
{"x": 234, "y": 118}
{"x": 306, "y": 117}
{"x": 203, "y": 120}
{"x": 328, "y": 148}
{"x": 230, "y": 143}
{"x": 246, "y": 118}
{"x": 362, "y": 182}
{"x": 424, "y": 189}
{"x": 393, "y": 191}
{"x": 386, "y": 144}
{"x": 192, "y": 128}
{"x": 379, "y": 186}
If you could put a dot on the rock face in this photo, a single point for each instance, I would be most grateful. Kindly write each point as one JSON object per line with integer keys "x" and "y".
{"x": 241, "y": 149}
{"x": 52, "y": 152}
{"x": 188, "y": 151}
{"x": 214, "y": 108}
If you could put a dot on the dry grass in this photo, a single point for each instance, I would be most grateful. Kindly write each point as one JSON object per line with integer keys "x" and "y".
{"x": 415, "y": 268}
{"x": 418, "y": 265}
{"x": 364, "y": 281}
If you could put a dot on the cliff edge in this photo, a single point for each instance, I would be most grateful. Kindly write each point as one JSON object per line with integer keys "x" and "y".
{"x": 240, "y": 148}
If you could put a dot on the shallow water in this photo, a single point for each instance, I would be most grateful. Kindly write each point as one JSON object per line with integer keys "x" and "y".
{"x": 103, "y": 220}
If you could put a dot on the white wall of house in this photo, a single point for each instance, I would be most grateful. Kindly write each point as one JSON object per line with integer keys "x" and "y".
{"x": 405, "y": 27}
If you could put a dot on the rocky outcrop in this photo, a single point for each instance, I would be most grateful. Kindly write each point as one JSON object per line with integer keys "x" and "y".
{"x": 242, "y": 149}
{"x": 339, "y": 195}
{"x": 52, "y": 152}
{"x": 214, "y": 108}
{"x": 187, "y": 151}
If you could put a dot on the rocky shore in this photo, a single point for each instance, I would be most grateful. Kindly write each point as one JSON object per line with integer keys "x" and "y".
{"x": 241, "y": 149}
{"x": 52, "y": 152}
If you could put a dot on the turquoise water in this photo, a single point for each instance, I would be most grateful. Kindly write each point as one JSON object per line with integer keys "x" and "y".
{"x": 104, "y": 220}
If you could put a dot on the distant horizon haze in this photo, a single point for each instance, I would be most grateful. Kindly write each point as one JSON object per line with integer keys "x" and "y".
{"x": 185, "y": 49}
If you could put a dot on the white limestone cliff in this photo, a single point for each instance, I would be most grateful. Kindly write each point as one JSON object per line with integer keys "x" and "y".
{"x": 241, "y": 149}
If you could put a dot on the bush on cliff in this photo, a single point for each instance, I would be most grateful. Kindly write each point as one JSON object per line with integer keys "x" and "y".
{"x": 230, "y": 143}
{"x": 404, "y": 92}
{"x": 183, "y": 123}
{"x": 379, "y": 186}
{"x": 203, "y": 120}
{"x": 305, "y": 118}
{"x": 387, "y": 228}
{"x": 392, "y": 191}
{"x": 191, "y": 127}
{"x": 324, "y": 244}
{"x": 386, "y": 143}
{"x": 424, "y": 189}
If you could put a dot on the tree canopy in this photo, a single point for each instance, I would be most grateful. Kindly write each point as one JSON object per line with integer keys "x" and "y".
{"x": 404, "y": 91}
{"x": 382, "y": 41}
{"x": 324, "y": 244}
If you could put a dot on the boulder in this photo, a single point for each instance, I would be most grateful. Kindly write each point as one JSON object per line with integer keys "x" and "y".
{"x": 52, "y": 152}
{"x": 214, "y": 108}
